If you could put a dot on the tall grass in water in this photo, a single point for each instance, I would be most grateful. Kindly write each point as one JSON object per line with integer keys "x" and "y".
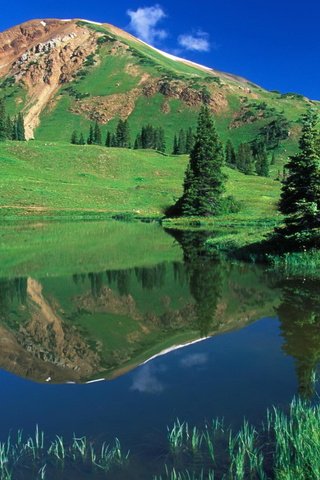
{"x": 287, "y": 447}
{"x": 34, "y": 454}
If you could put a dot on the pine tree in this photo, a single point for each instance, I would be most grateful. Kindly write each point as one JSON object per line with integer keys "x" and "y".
{"x": 97, "y": 140}
{"x": 81, "y": 139}
{"x": 262, "y": 164}
{"x": 123, "y": 134}
{"x": 20, "y": 128}
{"x": 182, "y": 143}
{"x": 300, "y": 198}
{"x": 175, "y": 150}
{"x": 91, "y": 136}
{"x": 3, "y": 124}
{"x": 245, "y": 160}
{"x": 108, "y": 139}
{"x": 204, "y": 179}
{"x": 9, "y": 128}
{"x": 230, "y": 155}
{"x": 189, "y": 140}
{"x": 161, "y": 146}
{"x": 74, "y": 138}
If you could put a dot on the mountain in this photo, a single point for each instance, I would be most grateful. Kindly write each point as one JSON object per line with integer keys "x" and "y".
{"x": 64, "y": 74}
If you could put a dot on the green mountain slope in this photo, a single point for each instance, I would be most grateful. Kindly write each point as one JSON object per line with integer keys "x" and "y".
{"x": 72, "y": 73}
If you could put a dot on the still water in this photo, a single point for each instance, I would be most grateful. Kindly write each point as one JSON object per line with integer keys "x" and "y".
{"x": 115, "y": 330}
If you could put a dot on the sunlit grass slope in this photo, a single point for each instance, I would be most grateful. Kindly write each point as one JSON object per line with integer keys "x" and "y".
{"x": 61, "y": 180}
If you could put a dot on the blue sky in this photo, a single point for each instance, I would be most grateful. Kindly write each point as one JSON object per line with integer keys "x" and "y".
{"x": 274, "y": 43}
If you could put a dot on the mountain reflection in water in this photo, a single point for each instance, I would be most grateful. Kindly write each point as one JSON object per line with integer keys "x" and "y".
{"x": 86, "y": 326}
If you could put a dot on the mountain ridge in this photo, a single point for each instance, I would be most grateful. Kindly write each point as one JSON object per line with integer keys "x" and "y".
{"x": 64, "y": 74}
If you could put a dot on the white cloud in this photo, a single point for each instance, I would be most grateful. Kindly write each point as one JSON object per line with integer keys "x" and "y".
{"x": 144, "y": 21}
{"x": 145, "y": 381}
{"x": 194, "y": 360}
{"x": 198, "y": 42}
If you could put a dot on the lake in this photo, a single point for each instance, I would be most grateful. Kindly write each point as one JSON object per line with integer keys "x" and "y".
{"x": 117, "y": 329}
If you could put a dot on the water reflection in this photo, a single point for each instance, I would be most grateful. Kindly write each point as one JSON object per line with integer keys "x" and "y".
{"x": 103, "y": 324}
{"x": 299, "y": 314}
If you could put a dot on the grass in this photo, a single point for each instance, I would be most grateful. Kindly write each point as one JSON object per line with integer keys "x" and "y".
{"x": 36, "y": 457}
{"x": 59, "y": 249}
{"x": 50, "y": 180}
{"x": 285, "y": 447}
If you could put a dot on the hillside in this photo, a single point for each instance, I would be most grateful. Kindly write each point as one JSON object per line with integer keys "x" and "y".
{"x": 65, "y": 74}
{"x": 60, "y": 180}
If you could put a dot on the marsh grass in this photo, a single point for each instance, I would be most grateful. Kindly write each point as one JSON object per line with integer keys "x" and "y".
{"x": 36, "y": 457}
{"x": 286, "y": 447}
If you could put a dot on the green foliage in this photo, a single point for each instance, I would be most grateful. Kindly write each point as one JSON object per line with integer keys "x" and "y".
{"x": 204, "y": 179}
{"x": 151, "y": 138}
{"x": 230, "y": 155}
{"x": 300, "y": 198}
{"x": 245, "y": 159}
{"x": 122, "y": 136}
{"x": 11, "y": 129}
{"x": 275, "y": 131}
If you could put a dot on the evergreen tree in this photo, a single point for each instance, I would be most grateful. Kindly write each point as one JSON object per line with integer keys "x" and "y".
{"x": 3, "y": 124}
{"x": 175, "y": 150}
{"x": 245, "y": 160}
{"x": 138, "y": 142}
{"x": 108, "y": 139}
{"x": 182, "y": 147}
{"x": 74, "y": 138}
{"x": 97, "y": 140}
{"x": 81, "y": 139}
{"x": 300, "y": 198}
{"x": 204, "y": 179}
{"x": 189, "y": 140}
{"x": 20, "y": 128}
{"x": 113, "y": 140}
{"x": 161, "y": 146}
{"x": 123, "y": 134}
{"x": 230, "y": 155}
{"x": 9, "y": 128}
{"x": 91, "y": 136}
{"x": 273, "y": 159}
{"x": 262, "y": 164}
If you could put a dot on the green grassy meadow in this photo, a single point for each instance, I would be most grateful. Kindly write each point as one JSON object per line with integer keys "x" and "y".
{"x": 56, "y": 180}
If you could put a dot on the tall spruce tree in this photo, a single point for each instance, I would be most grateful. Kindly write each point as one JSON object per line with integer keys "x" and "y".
{"x": 20, "y": 128}
{"x": 300, "y": 198}
{"x": 97, "y": 139}
{"x": 91, "y": 136}
{"x": 74, "y": 138}
{"x": 204, "y": 180}
{"x": 230, "y": 155}
{"x": 175, "y": 150}
{"x": 245, "y": 159}
{"x": 189, "y": 140}
{"x": 182, "y": 146}
{"x": 81, "y": 139}
{"x": 108, "y": 139}
{"x": 262, "y": 163}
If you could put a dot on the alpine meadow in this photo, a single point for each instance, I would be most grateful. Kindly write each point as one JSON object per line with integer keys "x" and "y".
{"x": 159, "y": 244}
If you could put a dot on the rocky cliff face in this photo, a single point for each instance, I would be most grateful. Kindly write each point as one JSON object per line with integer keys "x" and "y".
{"x": 42, "y": 55}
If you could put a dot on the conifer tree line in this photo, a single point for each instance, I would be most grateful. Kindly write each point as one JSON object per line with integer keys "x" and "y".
{"x": 183, "y": 142}
{"x": 249, "y": 158}
{"x": 151, "y": 137}
{"x": 11, "y": 128}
